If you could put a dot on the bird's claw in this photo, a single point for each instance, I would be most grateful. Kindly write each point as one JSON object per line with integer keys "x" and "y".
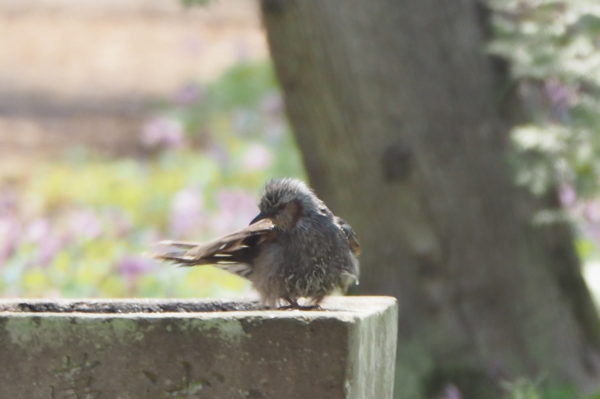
{"x": 295, "y": 306}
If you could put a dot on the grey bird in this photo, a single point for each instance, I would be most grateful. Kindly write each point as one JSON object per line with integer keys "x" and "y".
{"x": 294, "y": 248}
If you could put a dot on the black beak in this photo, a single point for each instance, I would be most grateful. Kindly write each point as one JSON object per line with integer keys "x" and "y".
{"x": 258, "y": 217}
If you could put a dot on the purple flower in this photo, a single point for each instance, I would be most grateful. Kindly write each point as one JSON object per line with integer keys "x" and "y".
{"x": 163, "y": 132}
{"x": 591, "y": 212}
{"x": 187, "y": 212}
{"x": 236, "y": 209}
{"x": 84, "y": 224}
{"x": 567, "y": 195}
{"x": 38, "y": 230}
{"x": 451, "y": 392}
{"x": 10, "y": 234}
{"x": 43, "y": 233}
{"x": 9, "y": 201}
{"x": 48, "y": 248}
{"x": 132, "y": 266}
{"x": 560, "y": 97}
{"x": 257, "y": 157}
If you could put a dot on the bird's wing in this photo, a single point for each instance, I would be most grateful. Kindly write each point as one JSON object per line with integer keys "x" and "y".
{"x": 235, "y": 248}
{"x": 350, "y": 235}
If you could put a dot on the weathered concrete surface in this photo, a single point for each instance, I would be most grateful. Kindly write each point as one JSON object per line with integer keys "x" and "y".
{"x": 173, "y": 349}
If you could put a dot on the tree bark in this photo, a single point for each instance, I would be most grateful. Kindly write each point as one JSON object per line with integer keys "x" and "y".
{"x": 403, "y": 122}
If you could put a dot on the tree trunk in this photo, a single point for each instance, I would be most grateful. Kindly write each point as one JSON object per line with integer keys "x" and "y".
{"x": 403, "y": 123}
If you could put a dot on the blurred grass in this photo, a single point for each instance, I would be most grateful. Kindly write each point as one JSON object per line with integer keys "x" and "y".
{"x": 80, "y": 226}
{"x": 523, "y": 388}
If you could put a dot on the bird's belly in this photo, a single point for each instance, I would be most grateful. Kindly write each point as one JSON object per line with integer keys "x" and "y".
{"x": 281, "y": 273}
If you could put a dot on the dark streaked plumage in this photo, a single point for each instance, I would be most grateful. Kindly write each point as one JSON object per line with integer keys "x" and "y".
{"x": 294, "y": 248}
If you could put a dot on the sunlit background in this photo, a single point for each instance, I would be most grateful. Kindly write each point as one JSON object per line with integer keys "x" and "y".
{"x": 123, "y": 123}
{"x": 126, "y": 122}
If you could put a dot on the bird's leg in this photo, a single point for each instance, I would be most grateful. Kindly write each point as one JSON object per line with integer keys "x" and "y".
{"x": 316, "y": 304}
{"x": 309, "y": 307}
{"x": 293, "y": 304}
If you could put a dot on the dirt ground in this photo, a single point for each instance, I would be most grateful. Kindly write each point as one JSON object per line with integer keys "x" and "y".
{"x": 86, "y": 72}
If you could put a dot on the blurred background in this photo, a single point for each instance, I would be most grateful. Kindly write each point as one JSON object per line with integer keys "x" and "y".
{"x": 123, "y": 123}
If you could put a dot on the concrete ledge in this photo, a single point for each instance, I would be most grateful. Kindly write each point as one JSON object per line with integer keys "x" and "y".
{"x": 196, "y": 349}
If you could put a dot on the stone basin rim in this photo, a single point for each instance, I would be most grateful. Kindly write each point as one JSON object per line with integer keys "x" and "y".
{"x": 349, "y": 306}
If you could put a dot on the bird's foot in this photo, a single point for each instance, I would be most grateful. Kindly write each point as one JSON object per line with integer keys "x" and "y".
{"x": 310, "y": 307}
{"x": 295, "y": 306}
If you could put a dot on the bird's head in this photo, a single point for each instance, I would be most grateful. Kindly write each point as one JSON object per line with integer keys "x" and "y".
{"x": 286, "y": 200}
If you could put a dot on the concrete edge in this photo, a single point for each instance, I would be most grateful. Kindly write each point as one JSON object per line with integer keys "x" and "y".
{"x": 345, "y": 308}
{"x": 372, "y": 348}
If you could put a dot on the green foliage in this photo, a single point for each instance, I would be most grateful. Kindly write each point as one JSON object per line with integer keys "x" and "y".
{"x": 527, "y": 389}
{"x": 81, "y": 226}
{"x": 553, "y": 48}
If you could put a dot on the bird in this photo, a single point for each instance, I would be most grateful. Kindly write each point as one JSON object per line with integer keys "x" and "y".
{"x": 295, "y": 252}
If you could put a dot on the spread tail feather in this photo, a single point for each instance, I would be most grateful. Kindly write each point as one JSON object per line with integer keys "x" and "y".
{"x": 235, "y": 248}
